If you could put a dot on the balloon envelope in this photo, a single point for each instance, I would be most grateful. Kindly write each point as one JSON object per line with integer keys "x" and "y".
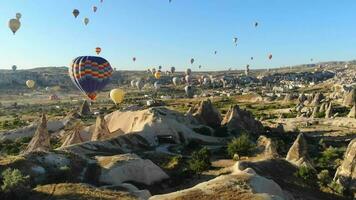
{"x": 188, "y": 71}
{"x": 30, "y": 83}
{"x": 76, "y": 13}
{"x": 158, "y": 75}
{"x": 86, "y": 21}
{"x": 14, "y": 25}
{"x": 98, "y": 50}
{"x": 117, "y": 95}
{"x": 18, "y": 16}
{"x": 90, "y": 74}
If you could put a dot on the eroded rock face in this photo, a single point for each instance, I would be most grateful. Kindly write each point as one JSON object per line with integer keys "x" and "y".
{"x": 350, "y": 98}
{"x": 346, "y": 173}
{"x": 73, "y": 137}
{"x": 158, "y": 122}
{"x": 207, "y": 114}
{"x": 245, "y": 185}
{"x": 352, "y": 113}
{"x": 101, "y": 129}
{"x": 298, "y": 153}
{"x": 129, "y": 167}
{"x": 302, "y": 98}
{"x": 317, "y": 99}
{"x": 267, "y": 147}
{"x": 41, "y": 139}
{"x": 241, "y": 120}
{"x": 329, "y": 111}
{"x": 85, "y": 109}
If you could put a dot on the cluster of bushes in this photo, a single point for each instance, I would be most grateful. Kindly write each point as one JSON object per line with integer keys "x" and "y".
{"x": 200, "y": 161}
{"x": 14, "y": 185}
{"x": 9, "y": 147}
{"x": 242, "y": 146}
{"x": 12, "y": 124}
{"x": 323, "y": 180}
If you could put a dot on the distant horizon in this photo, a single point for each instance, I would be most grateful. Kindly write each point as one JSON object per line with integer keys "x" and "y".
{"x": 159, "y": 33}
{"x": 197, "y": 70}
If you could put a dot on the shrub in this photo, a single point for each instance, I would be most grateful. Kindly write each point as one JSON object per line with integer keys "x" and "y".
{"x": 15, "y": 184}
{"x": 200, "y": 161}
{"x": 324, "y": 178}
{"x": 337, "y": 188}
{"x": 307, "y": 174}
{"x": 241, "y": 145}
{"x": 328, "y": 157}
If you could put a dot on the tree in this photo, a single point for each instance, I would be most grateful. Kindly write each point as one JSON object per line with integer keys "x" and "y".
{"x": 308, "y": 175}
{"x": 324, "y": 178}
{"x": 200, "y": 161}
{"x": 241, "y": 145}
{"x": 15, "y": 184}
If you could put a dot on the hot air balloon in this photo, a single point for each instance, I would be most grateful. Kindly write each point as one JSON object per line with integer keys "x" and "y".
{"x": 188, "y": 71}
{"x": 139, "y": 84}
{"x": 157, "y": 85}
{"x": 188, "y": 78}
{"x": 270, "y": 56}
{"x": 86, "y": 21}
{"x": 14, "y": 25}
{"x": 199, "y": 66}
{"x": 117, "y": 95}
{"x": 18, "y": 16}
{"x": 256, "y": 24}
{"x": 101, "y": 1}
{"x": 192, "y": 61}
{"x": 235, "y": 41}
{"x": 30, "y": 83}
{"x": 173, "y": 69}
{"x": 158, "y": 75}
{"x": 189, "y": 91}
{"x": 175, "y": 81}
{"x": 95, "y": 8}
{"x": 251, "y": 58}
{"x": 76, "y": 13}
{"x": 215, "y": 52}
{"x": 153, "y": 71}
{"x": 134, "y": 59}
{"x": 98, "y": 50}
{"x": 133, "y": 83}
{"x": 206, "y": 81}
{"x": 14, "y": 67}
{"x": 90, "y": 74}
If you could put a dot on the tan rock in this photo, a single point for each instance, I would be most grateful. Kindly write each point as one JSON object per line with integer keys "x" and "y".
{"x": 329, "y": 111}
{"x": 352, "y": 113}
{"x": 350, "y": 98}
{"x": 101, "y": 129}
{"x": 207, "y": 114}
{"x": 129, "y": 167}
{"x": 346, "y": 173}
{"x": 241, "y": 120}
{"x": 267, "y": 147}
{"x": 41, "y": 140}
{"x": 298, "y": 153}
{"x": 73, "y": 137}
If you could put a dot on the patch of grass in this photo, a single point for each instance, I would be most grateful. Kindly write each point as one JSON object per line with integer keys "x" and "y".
{"x": 200, "y": 161}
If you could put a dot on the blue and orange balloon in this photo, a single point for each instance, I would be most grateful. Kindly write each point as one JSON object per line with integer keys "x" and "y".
{"x": 90, "y": 74}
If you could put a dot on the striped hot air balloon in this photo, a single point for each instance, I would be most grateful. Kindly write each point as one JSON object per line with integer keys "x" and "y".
{"x": 90, "y": 74}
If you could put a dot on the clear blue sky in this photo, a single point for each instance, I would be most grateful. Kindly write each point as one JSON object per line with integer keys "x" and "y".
{"x": 159, "y": 33}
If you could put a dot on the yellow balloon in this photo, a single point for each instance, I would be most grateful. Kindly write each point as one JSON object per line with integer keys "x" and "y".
{"x": 30, "y": 83}
{"x": 117, "y": 95}
{"x": 158, "y": 75}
